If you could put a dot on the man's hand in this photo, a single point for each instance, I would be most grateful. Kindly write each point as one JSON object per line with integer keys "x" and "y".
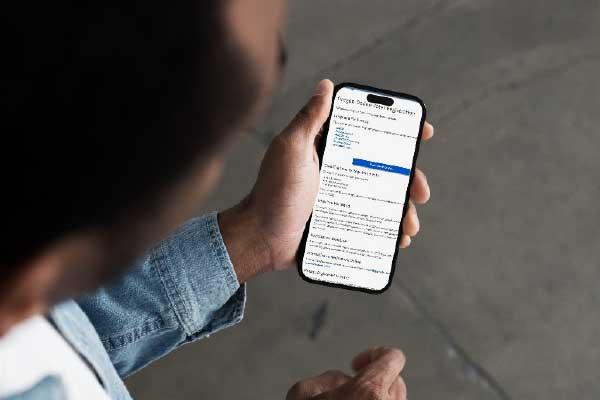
{"x": 377, "y": 377}
{"x": 263, "y": 232}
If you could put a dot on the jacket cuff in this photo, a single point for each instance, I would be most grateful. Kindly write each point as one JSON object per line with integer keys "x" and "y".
{"x": 199, "y": 279}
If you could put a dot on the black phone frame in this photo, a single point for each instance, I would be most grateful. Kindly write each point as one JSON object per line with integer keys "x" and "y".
{"x": 321, "y": 151}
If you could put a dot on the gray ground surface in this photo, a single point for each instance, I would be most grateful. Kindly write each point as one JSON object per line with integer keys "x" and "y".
{"x": 498, "y": 296}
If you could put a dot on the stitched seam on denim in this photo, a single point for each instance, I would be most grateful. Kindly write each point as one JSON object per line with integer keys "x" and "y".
{"x": 135, "y": 334}
{"x": 158, "y": 317}
{"x": 236, "y": 313}
{"x": 170, "y": 286}
{"x": 225, "y": 320}
{"x": 220, "y": 251}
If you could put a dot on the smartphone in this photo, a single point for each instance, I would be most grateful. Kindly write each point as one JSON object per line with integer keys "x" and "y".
{"x": 367, "y": 155}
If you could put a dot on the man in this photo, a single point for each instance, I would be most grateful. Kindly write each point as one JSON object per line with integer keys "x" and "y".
{"x": 124, "y": 115}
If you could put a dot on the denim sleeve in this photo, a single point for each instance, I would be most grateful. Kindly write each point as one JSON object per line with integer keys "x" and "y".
{"x": 184, "y": 289}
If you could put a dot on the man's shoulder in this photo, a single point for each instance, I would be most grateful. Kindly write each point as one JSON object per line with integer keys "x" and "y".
{"x": 38, "y": 362}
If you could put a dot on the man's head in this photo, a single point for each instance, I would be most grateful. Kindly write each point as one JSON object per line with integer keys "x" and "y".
{"x": 119, "y": 117}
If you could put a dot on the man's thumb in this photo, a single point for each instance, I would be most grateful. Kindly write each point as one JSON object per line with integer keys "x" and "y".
{"x": 313, "y": 115}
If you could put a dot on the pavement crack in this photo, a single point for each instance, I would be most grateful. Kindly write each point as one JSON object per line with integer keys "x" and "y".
{"x": 431, "y": 12}
{"x": 515, "y": 84}
{"x": 474, "y": 368}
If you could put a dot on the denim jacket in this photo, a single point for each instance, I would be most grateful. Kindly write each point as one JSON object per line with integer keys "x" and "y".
{"x": 183, "y": 290}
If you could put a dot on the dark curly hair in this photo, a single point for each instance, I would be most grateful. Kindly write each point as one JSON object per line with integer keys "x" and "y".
{"x": 103, "y": 105}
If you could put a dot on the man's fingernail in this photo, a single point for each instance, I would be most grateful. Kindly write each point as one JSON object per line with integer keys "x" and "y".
{"x": 431, "y": 127}
{"x": 320, "y": 89}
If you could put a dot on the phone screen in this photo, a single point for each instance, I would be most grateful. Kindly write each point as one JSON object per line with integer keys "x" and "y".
{"x": 367, "y": 164}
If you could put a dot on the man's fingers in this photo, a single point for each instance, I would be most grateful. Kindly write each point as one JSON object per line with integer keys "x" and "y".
{"x": 385, "y": 367}
{"x": 313, "y": 115}
{"x": 398, "y": 389}
{"x": 419, "y": 190}
{"x": 411, "y": 225}
{"x": 427, "y": 131}
{"x": 314, "y": 386}
{"x": 405, "y": 241}
{"x": 363, "y": 359}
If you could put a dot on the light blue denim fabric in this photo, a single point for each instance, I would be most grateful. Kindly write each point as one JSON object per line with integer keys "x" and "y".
{"x": 49, "y": 388}
{"x": 183, "y": 290}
